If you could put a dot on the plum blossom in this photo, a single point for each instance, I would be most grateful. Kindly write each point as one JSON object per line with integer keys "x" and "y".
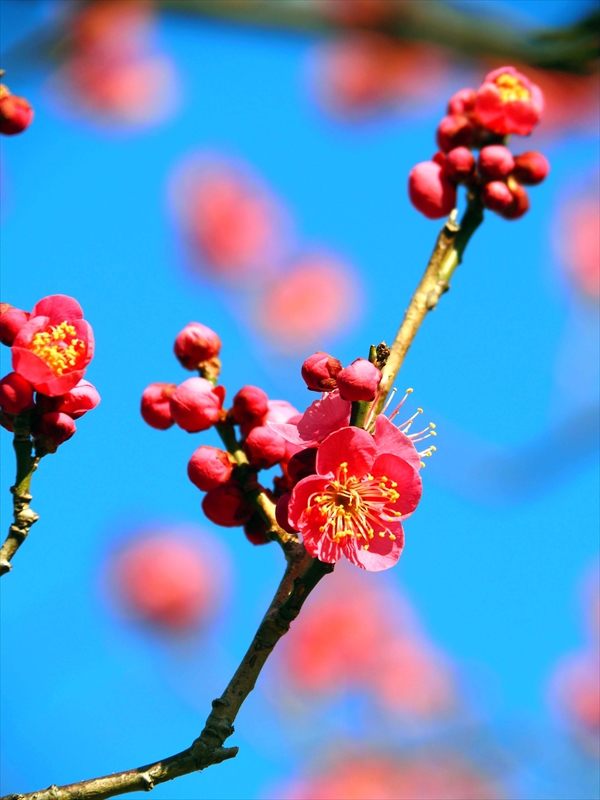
{"x": 508, "y": 102}
{"x": 354, "y": 503}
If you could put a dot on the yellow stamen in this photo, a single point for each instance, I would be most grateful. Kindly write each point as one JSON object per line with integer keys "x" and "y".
{"x": 511, "y": 88}
{"x": 58, "y": 347}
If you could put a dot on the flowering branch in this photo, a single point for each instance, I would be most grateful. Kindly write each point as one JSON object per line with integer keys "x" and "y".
{"x": 24, "y": 516}
{"x": 300, "y": 578}
{"x": 447, "y": 255}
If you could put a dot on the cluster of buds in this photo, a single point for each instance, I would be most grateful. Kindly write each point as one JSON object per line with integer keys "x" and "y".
{"x": 16, "y": 113}
{"x": 51, "y": 349}
{"x": 506, "y": 103}
{"x": 364, "y": 479}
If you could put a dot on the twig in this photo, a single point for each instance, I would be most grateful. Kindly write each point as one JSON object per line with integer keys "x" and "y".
{"x": 24, "y": 515}
{"x": 447, "y": 255}
{"x": 301, "y": 576}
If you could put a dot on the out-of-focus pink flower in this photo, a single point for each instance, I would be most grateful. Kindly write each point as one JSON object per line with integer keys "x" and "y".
{"x": 496, "y": 196}
{"x": 112, "y": 72}
{"x": 196, "y": 404}
{"x": 11, "y": 321}
{"x": 362, "y": 73}
{"x": 53, "y": 348}
{"x": 531, "y": 168}
{"x": 360, "y": 776}
{"x": 495, "y": 162}
{"x": 431, "y": 191}
{"x": 462, "y": 102}
{"x": 354, "y": 503}
{"x": 576, "y": 687}
{"x": 168, "y": 579}
{"x": 578, "y": 243}
{"x": 455, "y": 130}
{"x": 314, "y": 299}
{"x": 508, "y": 102}
{"x": 234, "y": 226}
{"x": 459, "y": 164}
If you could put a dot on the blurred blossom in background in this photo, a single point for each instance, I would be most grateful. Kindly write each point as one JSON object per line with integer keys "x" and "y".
{"x": 180, "y": 168}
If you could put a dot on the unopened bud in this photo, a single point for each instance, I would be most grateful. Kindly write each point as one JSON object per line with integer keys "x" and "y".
{"x": 496, "y": 196}
{"x": 249, "y": 405}
{"x": 196, "y": 344}
{"x": 11, "y": 321}
{"x": 459, "y": 164}
{"x": 156, "y": 408}
{"x": 256, "y": 530}
{"x": 16, "y": 394}
{"x": 455, "y": 130}
{"x": 209, "y": 467}
{"x": 495, "y": 162}
{"x": 264, "y": 447}
{"x": 359, "y": 381}
{"x": 227, "y": 505}
{"x": 531, "y": 168}
{"x": 196, "y": 404}
{"x": 320, "y": 371}
{"x": 431, "y": 191}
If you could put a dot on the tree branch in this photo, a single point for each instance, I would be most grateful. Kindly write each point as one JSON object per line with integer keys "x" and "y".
{"x": 24, "y": 515}
{"x": 301, "y": 576}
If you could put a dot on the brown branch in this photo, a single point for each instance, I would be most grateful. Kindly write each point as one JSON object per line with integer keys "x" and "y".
{"x": 447, "y": 255}
{"x": 301, "y": 576}
{"x": 24, "y": 515}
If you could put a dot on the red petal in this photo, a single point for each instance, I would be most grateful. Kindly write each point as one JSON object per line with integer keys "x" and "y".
{"x": 320, "y": 546}
{"x": 300, "y": 494}
{"x": 58, "y": 307}
{"x": 410, "y": 487}
{"x": 324, "y": 416}
{"x": 389, "y": 439}
{"x": 351, "y": 445}
{"x": 383, "y": 552}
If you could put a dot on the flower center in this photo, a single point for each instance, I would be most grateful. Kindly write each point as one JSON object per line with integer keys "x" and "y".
{"x": 58, "y": 347}
{"x": 351, "y": 506}
{"x": 511, "y": 89}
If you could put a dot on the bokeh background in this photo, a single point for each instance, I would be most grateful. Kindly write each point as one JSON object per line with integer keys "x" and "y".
{"x": 190, "y": 164}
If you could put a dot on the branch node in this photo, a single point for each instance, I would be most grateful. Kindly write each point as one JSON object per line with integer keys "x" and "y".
{"x": 148, "y": 781}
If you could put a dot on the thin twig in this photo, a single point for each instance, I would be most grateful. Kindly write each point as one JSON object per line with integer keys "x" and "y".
{"x": 24, "y": 515}
{"x": 301, "y": 576}
{"x": 447, "y": 255}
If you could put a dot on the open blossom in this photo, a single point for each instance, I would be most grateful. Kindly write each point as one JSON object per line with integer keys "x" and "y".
{"x": 354, "y": 504}
{"x": 321, "y": 418}
{"x": 508, "y": 102}
{"x": 53, "y": 348}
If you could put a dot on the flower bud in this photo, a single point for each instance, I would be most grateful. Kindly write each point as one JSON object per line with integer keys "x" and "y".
{"x": 459, "y": 164}
{"x": 16, "y": 394}
{"x": 281, "y": 512}
{"x": 156, "y": 409}
{"x": 320, "y": 371}
{"x": 256, "y": 530}
{"x": 79, "y": 400}
{"x": 455, "y": 130}
{"x": 439, "y": 158}
{"x": 463, "y": 102}
{"x": 520, "y": 202}
{"x": 196, "y": 344}
{"x": 531, "y": 168}
{"x": 249, "y": 405}
{"x": 227, "y": 505}
{"x": 16, "y": 114}
{"x": 264, "y": 447}
{"x": 302, "y": 464}
{"x": 508, "y": 102}
{"x": 495, "y": 162}
{"x": 56, "y": 426}
{"x": 196, "y": 404}
{"x": 11, "y": 321}
{"x": 359, "y": 381}
{"x": 496, "y": 196}
{"x": 209, "y": 467}
{"x": 431, "y": 191}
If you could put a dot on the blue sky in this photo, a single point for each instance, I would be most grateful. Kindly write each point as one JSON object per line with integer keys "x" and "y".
{"x": 493, "y": 571}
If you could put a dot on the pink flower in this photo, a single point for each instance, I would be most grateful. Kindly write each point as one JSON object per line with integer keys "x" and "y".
{"x": 321, "y": 418}
{"x": 156, "y": 405}
{"x": 430, "y": 190}
{"x": 508, "y": 102}
{"x": 495, "y": 162}
{"x": 54, "y": 347}
{"x": 459, "y": 164}
{"x": 227, "y": 505}
{"x": 359, "y": 381}
{"x": 455, "y": 130}
{"x": 353, "y": 505}
{"x": 264, "y": 447}
{"x": 249, "y": 405}
{"x": 16, "y": 113}
{"x": 196, "y": 404}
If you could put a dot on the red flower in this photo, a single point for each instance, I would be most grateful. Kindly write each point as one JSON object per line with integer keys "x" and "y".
{"x": 54, "y": 347}
{"x": 508, "y": 102}
{"x": 353, "y": 505}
